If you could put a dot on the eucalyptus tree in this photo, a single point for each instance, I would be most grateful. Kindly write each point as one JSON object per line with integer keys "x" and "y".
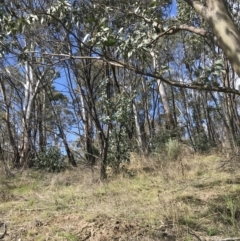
{"x": 211, "y": 11}
{"x": 102, "y": 87}
{"x": 107, "y": 39}
{"x": 24, "y": 40}
{"x": 205, "y": 61}
{"x": 10, "y": 102}
{"x": 217, "y": 16}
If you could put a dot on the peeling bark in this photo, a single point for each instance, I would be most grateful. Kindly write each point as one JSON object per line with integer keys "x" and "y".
{"x": 226, "y": 32}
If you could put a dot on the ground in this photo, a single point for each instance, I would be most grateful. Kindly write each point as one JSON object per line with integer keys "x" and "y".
{"x": 194, "y": 198}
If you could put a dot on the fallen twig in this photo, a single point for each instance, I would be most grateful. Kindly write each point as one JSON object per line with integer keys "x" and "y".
{"x": 4, "y": 230}
{"x": 193, "y": 234}
{"x": 229, "y": 239}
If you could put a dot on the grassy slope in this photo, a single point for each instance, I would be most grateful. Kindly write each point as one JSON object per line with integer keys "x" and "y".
{"x": 193, "y": 199}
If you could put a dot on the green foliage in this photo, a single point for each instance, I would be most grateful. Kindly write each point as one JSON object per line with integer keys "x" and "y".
{"x": 186, "y": 14}
{"x": 117, "y": 111}
{"x": 119, "y": 150}
{"x": 208, "y": 75}
{"x": 201, "y": 142}
{"x": 161, "y": 139}
{"x": 227, "y": 211}
{"x": 52, "y": 160}
{"x": 188, "y": 221}
{"x": 70, "y": 236}
{"x": 212, "y": 232}
{"x": 231, "y": 213}
{"x": 173, "y": 149}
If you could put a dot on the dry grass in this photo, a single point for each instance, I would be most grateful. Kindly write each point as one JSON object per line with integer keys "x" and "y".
{"x": 150, "y": 199}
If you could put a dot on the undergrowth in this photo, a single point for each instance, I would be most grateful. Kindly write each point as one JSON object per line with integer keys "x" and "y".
{"x": 182, "y": 198}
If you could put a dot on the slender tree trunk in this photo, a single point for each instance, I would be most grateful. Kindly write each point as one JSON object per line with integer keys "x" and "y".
{"x": 169, "y": 118}
{"x": 41, "y": 112}
{"x": 188, "y": 117}
{"x": 210, "y": 129}
{"x": 105, "y": 136}
{"x": 70, "y": 156}
{"x": 137, "y": 126}
{"x": 103, "y": 167}
{"x": 229, "y": 109}
{"x": 174, "y": 107}
{"x": 87, "y": 129}
{"x": 29, "y": 97}
{"x": 230, "y": 121}
{"x": 13, "y": 143}
{"x": 145, "y": 106}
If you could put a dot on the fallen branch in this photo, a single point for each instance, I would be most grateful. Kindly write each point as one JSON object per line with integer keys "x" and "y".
{"x": 4, "y": 230}
{"x": 229, "y": 239}
{"x": 193, "y": 234}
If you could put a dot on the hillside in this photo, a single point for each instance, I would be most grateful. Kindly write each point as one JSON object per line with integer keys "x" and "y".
{"x": 194, "y": 199}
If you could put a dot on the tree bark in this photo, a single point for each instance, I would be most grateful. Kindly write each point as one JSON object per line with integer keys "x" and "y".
{"x": 226, "y": 32}
{"x": 13, "y": 143}
{"x": 137, "y": 126}
{"x": 169, "y": 118}
{"x": 41, "y": 113}
{"x": 29, "y": 97}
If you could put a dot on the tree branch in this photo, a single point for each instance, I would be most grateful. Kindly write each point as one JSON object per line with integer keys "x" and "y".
{"x": 120, "y": 64}
{"x": 174, "y": 29}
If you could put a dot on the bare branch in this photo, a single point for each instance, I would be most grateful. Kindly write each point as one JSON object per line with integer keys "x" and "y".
{"x": 136, "y": 70}
{"x": 174, "y": 29}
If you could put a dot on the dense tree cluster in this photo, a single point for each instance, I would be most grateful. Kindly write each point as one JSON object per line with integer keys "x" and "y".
{"x": 99, "y": 79}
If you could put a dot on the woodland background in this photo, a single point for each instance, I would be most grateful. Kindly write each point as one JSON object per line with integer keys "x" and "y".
{"x": 93, "y": 81}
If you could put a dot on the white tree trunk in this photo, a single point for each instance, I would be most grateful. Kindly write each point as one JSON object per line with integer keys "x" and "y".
{"x": 226, "y": 32}
{"x": 31, "y": 86}
{"x": 165, "y": 102}
{"x": 138, "y": 131}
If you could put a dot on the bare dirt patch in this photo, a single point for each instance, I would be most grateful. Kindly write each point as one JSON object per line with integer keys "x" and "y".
{"x": 100, "y": 228}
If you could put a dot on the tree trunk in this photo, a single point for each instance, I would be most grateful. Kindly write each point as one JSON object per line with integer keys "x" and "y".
{"x": 90, "y": 149}
{"x": 169, "y": 119}
{"x": 210, "y": 129}
{"x": 62, "y": 135}
{"x": 103, "y": 166}
{"x": 13, "y": 143}
{"x": 188, "y": 119}
{"x": 137, "y": 126}
{"x": 41, "y": 111}
{"x": 29, "y": 96}
{"x": 226, "y": 32}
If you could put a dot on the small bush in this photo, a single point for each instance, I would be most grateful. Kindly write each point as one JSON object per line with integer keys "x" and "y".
{"x": 173, "y": 149}
{"x": 202, "y": 144}
{"x": 52, "y": 160}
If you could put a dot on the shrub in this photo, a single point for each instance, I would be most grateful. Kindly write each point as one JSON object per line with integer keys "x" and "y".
{"x": 173, "y": 149}
{"x": 161, "y": 139}
{"x": 51, "y": 160}
{"x": 201, "y": 142}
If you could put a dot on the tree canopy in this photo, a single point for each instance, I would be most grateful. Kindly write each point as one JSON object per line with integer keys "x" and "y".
{"x": 104, "y": 78}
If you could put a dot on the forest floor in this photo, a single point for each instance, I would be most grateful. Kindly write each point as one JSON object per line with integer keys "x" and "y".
{"x": 197, "y": 198}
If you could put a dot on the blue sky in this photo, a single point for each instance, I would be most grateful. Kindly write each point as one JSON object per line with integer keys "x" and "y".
{"x": 174, "y": 8}
{"x": 61, "y": 83}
